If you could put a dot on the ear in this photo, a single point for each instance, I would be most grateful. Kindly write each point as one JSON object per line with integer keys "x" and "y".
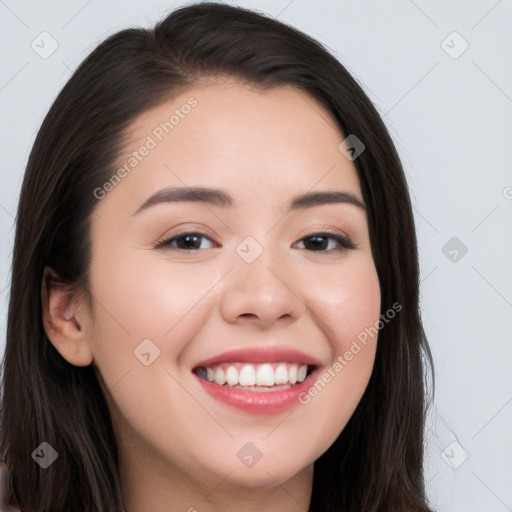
{"x": 64, "y": 320}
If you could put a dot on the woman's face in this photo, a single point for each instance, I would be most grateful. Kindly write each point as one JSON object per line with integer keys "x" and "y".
{"x": 256, "y": 294}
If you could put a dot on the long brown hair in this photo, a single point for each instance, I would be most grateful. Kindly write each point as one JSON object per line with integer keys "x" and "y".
{"x": 376, "y": 462}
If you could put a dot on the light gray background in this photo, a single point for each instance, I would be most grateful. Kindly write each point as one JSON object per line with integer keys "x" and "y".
{"x": 451, "y": 120}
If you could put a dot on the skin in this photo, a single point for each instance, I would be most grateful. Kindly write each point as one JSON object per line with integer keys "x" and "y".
{"x": 178, "y": 446}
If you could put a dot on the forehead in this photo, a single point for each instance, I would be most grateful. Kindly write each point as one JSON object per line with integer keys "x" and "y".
{"x": 230, "y": 135}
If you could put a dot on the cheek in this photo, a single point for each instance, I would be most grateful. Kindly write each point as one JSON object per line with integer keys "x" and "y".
{"x": 347, "y": 301}
{"x": 347, "y": 305}
{"x": 135, "y": 300}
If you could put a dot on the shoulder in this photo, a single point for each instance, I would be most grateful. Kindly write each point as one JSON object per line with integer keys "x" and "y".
{"x": 5, "y": 497}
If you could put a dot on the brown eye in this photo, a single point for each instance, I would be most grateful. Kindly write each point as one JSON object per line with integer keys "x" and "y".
{"x": 187, "y": 241}
{"x": 326, "y": 242}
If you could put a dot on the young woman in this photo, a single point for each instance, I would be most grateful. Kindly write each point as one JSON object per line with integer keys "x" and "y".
{"x": 214, "y": 298}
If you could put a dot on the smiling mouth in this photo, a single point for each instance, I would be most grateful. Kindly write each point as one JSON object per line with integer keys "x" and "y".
{"x": 262, "y": 377}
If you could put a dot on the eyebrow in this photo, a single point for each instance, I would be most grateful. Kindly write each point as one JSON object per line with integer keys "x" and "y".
{"x": 222, "y": 199}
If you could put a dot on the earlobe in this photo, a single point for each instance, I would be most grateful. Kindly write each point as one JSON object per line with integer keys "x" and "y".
{"x": 64, "y": 320}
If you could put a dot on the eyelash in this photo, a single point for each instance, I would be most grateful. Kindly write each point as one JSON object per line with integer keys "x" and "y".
{"x": 345, "y": 243}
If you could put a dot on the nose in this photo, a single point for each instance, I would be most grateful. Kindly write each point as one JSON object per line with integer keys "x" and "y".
{"x": 260, "y": 293}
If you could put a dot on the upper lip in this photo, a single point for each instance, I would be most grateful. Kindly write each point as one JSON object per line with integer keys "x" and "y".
{"x": 261, "y": 355}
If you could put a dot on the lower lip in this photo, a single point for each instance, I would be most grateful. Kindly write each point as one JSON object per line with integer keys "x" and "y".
{"x": 264, "y": 402}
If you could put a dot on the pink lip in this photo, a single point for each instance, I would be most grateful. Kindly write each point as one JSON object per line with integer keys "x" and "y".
{"x": 265, "y": 402}
{"x": 261, "y": 355}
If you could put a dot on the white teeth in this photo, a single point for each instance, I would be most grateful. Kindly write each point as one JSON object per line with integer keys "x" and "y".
{"x": 218, "y": 376}
{"x": 292, "y": 374}
{"x": 281, "y": 375}
{"x": 265, "y": 375}
{"x": 232, "y": 376}
{"x": 247, "y": 376}
{"x": 301, "y": 374}
{"x": 250, "y": 375}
